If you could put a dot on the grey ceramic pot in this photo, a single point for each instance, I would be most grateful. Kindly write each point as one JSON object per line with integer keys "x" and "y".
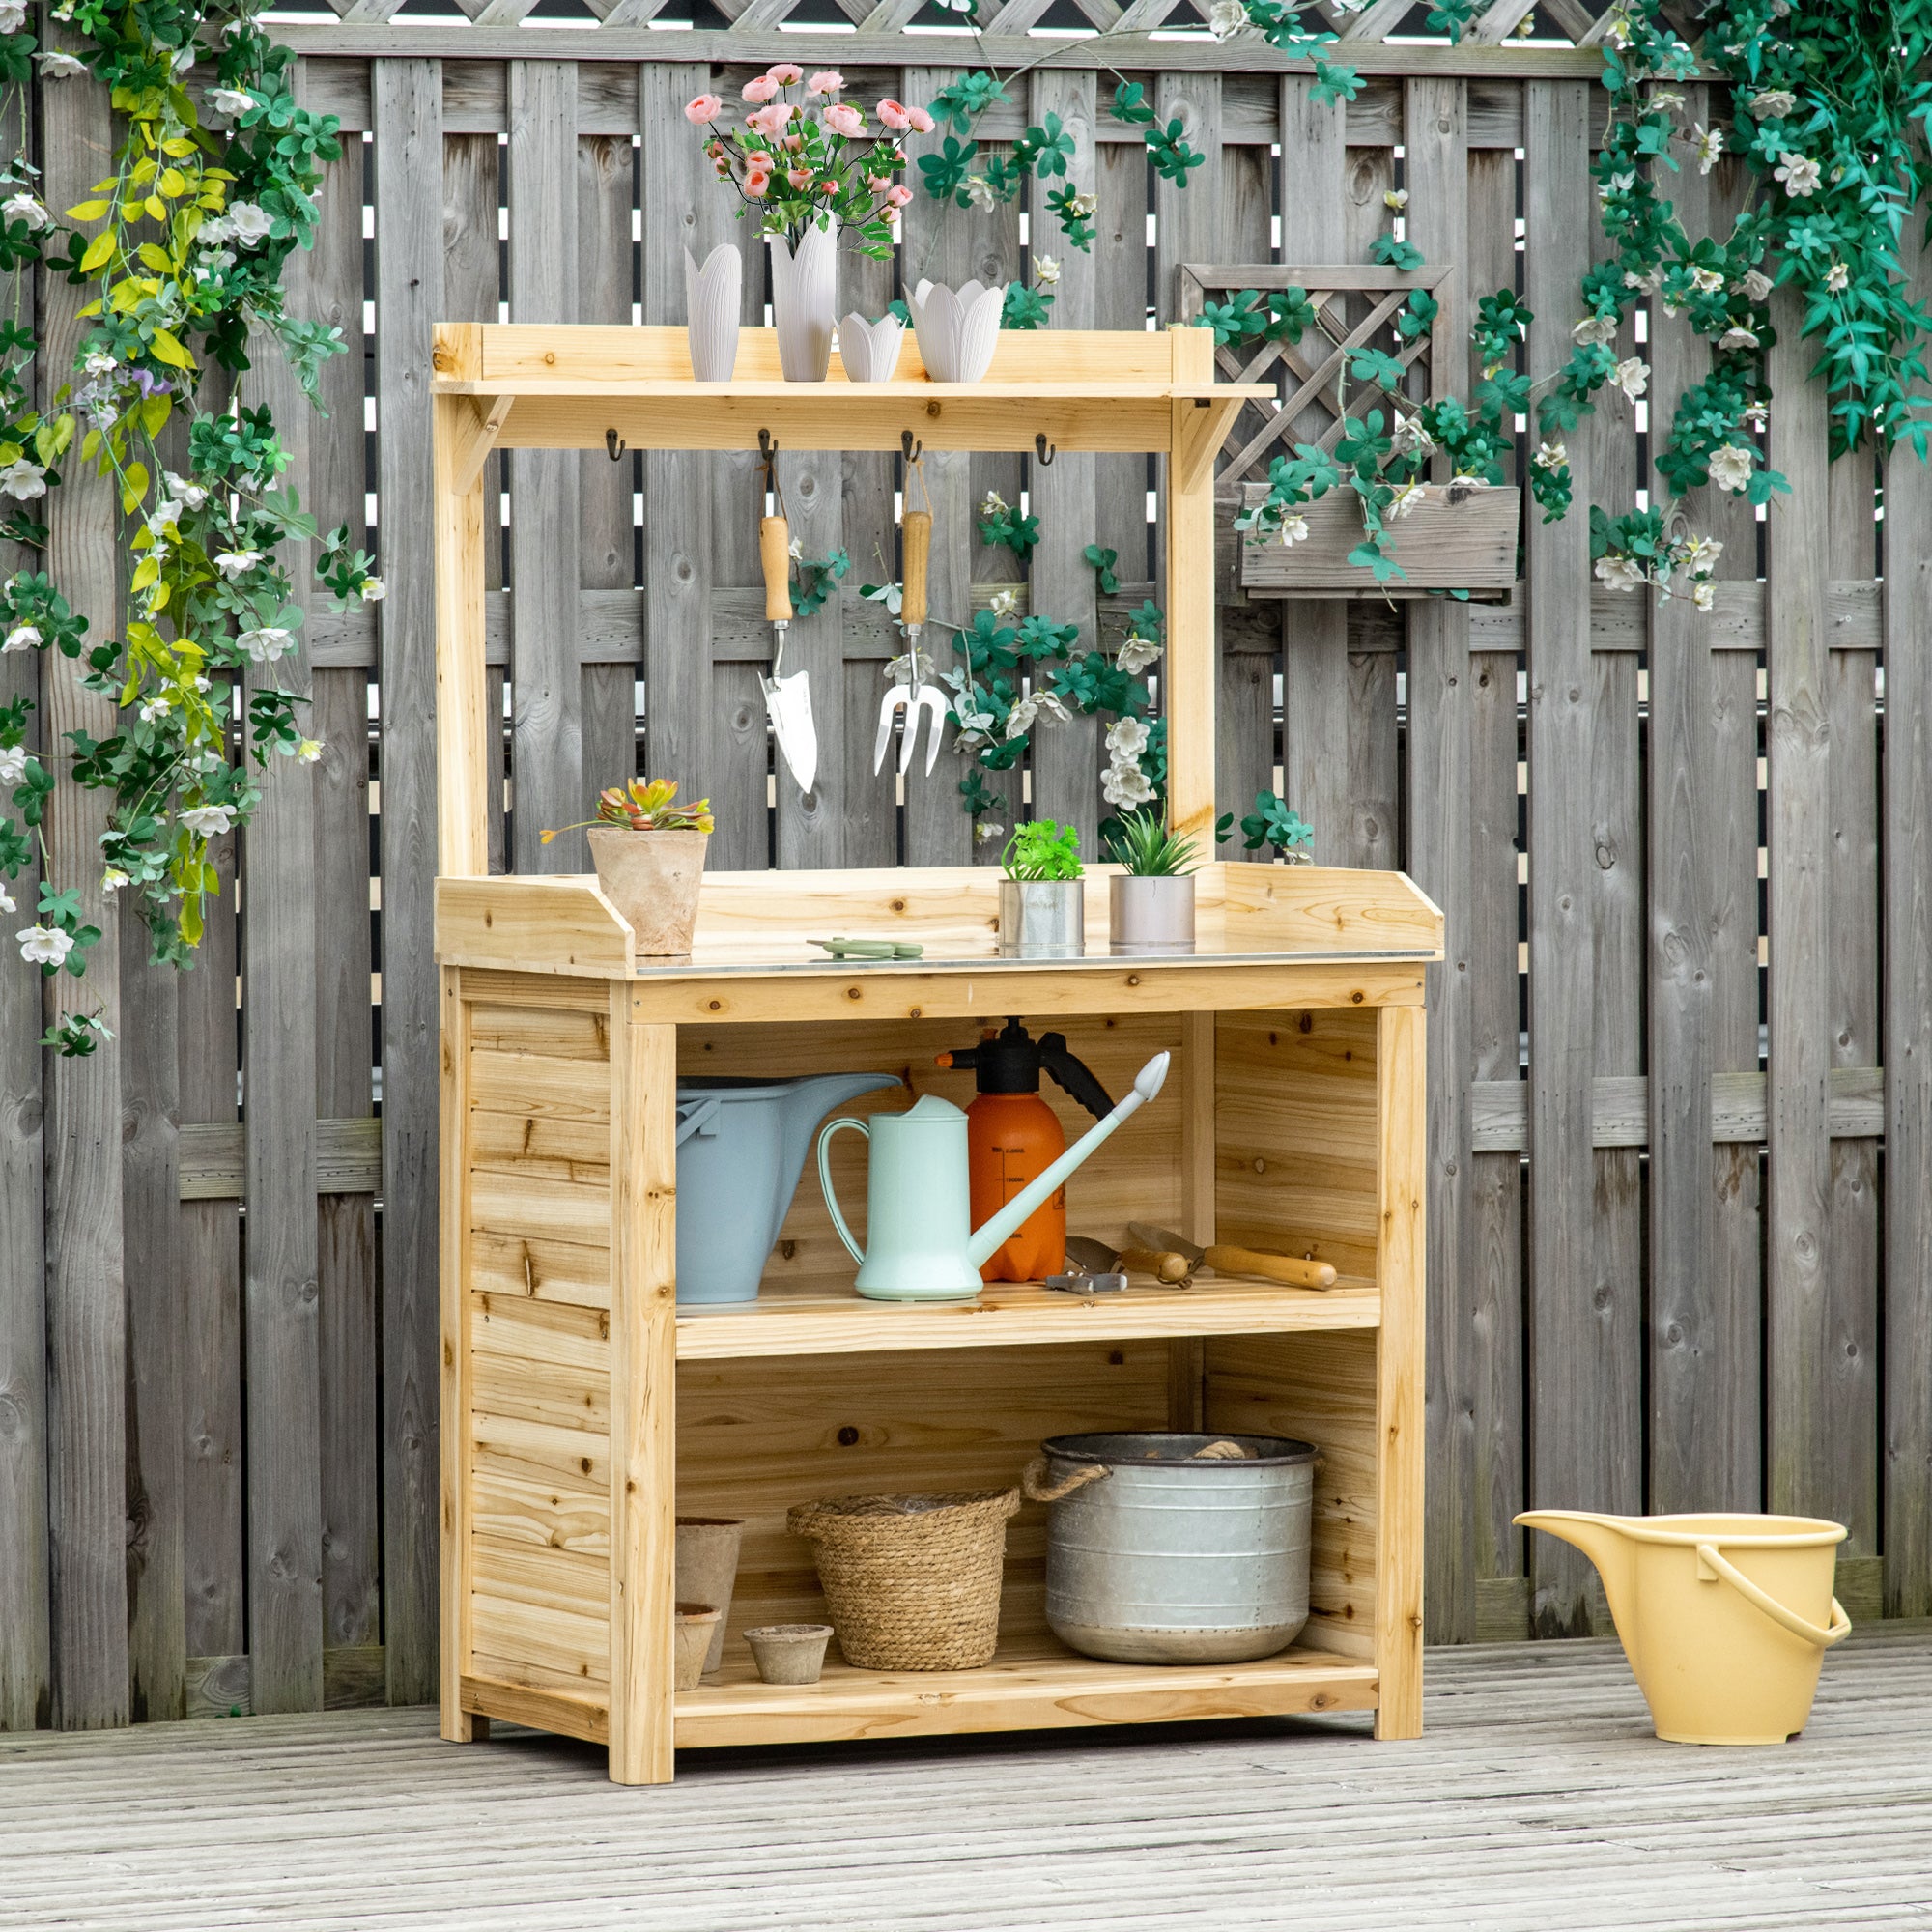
{"x": 1147, "y": 916}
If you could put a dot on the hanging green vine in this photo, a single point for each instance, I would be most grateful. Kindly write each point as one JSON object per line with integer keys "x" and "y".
{"x": 183, "y": 246}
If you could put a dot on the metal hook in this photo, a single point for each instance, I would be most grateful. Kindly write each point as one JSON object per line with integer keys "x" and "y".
{"x": 767, "y": 448}
{"x": 613, "y": 445}
{"x": 912, "y": 452}
{"x": 1041, "y": 454}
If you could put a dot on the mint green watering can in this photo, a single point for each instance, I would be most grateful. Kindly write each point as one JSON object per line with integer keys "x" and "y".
{"x": 924, "y": 1246}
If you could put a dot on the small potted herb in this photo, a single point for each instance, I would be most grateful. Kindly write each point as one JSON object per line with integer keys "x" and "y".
{"x": 649, "y": 855}
{"x": 1150, "y": 906}
{"x": 1042, "y": 896}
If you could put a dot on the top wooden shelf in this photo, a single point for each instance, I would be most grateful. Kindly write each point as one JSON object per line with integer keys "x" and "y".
{"x": 1088, "y": 390}
{"x": 1266, "y": 935}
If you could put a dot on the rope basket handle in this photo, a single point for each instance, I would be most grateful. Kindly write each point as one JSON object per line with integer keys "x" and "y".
{"x": 1037, "y": 1489}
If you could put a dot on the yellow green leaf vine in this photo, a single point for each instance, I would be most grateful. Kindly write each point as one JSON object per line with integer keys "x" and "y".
{"x": 182, "y": 249}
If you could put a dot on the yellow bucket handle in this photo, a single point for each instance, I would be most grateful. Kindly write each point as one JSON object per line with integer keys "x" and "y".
{"x": 1840, "y": 1625}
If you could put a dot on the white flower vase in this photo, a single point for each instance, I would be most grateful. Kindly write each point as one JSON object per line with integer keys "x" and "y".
{"x": 804, "y": 288}
{"x": 958, "y": 331}
{"x": 871, "y": 350}
{"x": 712, "y": 298}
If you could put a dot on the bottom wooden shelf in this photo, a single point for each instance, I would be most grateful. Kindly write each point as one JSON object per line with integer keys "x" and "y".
{"x": 1034, "y": 1684}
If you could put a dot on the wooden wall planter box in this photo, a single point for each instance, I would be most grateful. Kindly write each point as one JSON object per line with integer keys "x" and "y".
{"x": 1460, "y": 537}
{"x": 581, "y": 1407}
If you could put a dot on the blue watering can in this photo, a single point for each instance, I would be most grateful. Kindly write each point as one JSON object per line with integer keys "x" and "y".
{"x": 741, "y": 1148}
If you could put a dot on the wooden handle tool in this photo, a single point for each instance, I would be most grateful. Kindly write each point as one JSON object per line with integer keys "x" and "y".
{"x": 1167, "y": 1267}
{"x": 774, "y": 554}
{"x": 917, "y": 529}
{"x": 1290, "y": 1269}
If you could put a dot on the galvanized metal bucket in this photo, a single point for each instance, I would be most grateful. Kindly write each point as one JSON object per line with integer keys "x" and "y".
{"x": 1167, "y": 1548}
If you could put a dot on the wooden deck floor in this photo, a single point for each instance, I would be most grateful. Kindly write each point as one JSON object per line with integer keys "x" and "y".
{"x": 1538, "y": 1800}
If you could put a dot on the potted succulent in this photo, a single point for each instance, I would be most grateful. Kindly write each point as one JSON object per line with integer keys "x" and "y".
{"x": 1042, "y": 898}
{"x": 649, "y": 855}
{"x": 1150, "y": 905}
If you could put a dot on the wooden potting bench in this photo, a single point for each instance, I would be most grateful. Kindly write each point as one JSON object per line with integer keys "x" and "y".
{"x": 582, "y": 1410}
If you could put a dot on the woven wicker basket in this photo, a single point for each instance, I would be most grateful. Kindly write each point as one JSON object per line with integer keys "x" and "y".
{"x": 913, "y": 1582}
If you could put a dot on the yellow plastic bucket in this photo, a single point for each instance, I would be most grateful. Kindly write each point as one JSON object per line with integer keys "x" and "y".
{"x": 1726, "y": 1619}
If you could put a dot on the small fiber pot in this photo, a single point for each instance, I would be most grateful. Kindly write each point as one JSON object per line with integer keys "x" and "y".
{"x": 913, "y": 1582}
{"x": 706, "y": 1569}
{"x": 692, "y": 1632}
{"x": 790, "y": 1652}
{"x": 1150, "y": 915}
{"x": 653, "y": 879}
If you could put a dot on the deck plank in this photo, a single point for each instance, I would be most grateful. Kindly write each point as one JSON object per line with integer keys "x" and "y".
{"x": 1536, "y": 1797}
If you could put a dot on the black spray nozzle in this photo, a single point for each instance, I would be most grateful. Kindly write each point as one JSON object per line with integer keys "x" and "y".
{"x": 1011, "y": 1063}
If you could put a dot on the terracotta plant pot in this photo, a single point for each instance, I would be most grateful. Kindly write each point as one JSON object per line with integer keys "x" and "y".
{"x": 1150, "y": 915}
{"x": 694, "y": 1623}
{"x": 790, "y": 1652}
{"x": 707, "y": 1570}
{"x": 652, "y": 878}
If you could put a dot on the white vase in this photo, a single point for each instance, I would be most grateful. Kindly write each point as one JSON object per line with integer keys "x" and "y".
{"x": 804, "y": 288}
{"x": 958, "y": 331}
{"x": 712, "y": 298}
{"x": 871, "y": 350}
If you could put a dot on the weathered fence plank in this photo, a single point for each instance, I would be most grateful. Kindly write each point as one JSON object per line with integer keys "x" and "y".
{"x": 87, "y": 1319}
{"x": 407, "y": 100}
{"x": 1907, "y": 1016}
{"x": 1568, "y": 1453}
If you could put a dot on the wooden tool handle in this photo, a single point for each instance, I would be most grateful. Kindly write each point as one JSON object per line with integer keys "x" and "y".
{"x": 775, "y": 553}
{"x": 1169, "y": 1267}
{"x": 1289, "y": 1268}
{"x": 917, "y": 525}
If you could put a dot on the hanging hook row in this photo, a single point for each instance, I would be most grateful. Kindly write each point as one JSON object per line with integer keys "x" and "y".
{"x": 613, "y": 445}
{"x": 1043, "y": 452}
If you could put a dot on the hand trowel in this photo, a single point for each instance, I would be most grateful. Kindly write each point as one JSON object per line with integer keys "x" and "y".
{"x": 787, "y": 699}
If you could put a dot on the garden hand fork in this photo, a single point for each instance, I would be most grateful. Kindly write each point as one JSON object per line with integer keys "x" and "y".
{"x": 914, "y": 697}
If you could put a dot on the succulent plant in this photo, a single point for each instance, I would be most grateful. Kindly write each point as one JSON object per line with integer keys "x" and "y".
{"x": 644, "y": 805}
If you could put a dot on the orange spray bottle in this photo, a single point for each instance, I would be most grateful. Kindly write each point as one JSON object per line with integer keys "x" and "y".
{"x": 1012, "y": 1136}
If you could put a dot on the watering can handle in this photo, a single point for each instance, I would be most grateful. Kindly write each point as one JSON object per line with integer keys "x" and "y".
{"x": 830, "y": 1128}
{"x": 702, "y": 1119}
{"x": 1840, "y": 1626}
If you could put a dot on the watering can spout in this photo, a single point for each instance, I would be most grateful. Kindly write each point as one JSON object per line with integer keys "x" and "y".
{"x": 1606, "y": 1540}
{"x": 986, "y": 1239}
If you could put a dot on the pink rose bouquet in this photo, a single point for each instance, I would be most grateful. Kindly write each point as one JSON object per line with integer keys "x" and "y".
{"x": 801, "y": 161}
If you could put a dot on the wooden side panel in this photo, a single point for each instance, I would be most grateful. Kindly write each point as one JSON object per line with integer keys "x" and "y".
{"x": 1321, "y": 1388}
{"x": 756, "y": 1437}
{"x": 1295, "y": 1135}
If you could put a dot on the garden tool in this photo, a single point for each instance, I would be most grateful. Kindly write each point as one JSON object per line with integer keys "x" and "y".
{"x": 914, "y": 697}
{"x": 921, "y": 1243}
{"x": 1086, "y": 1282}
{"x": 1291, "y": 1269}
{"x": 1169, "y": 1270}
{"x": 787, "y": 699}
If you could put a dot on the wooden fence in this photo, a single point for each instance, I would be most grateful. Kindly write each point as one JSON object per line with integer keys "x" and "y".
{"x": 1681, "y": 1053}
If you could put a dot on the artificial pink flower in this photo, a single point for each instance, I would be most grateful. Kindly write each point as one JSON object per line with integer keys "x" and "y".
{"x": 798, "y": 177}
{"x": 922, "y": 121}
{"x": 895, "y": 116}
{"x": 899, "y": 196}
{"x": 786, "y": 73}
{"x": 846, "y": 121}
{"x": 828, "y": 185}
{"x": 706, "y": 108}
{"x": 830, "y": 81}
{"x": 761, "y": 90}
{"x": 757, "y": 181}
{"x": 770, "y": 121}
{"x": 879, "y": 183}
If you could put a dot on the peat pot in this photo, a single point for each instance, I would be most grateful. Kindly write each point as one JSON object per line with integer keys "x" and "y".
{"x": 1150, "y": 915}
{"x": 1166, "y": 1547}
{"x": 653, "y": 879}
